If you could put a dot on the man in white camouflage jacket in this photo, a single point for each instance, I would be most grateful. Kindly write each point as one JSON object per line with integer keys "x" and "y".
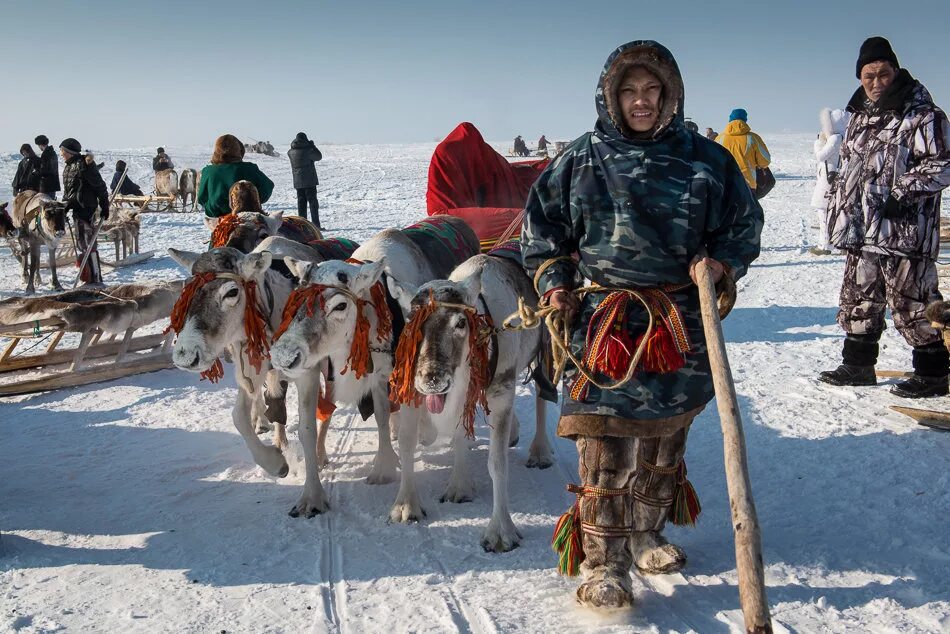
{"x": 885, "y": 212}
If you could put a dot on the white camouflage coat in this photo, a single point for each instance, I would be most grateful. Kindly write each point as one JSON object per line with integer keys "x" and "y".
{"x": 897, "y": 147}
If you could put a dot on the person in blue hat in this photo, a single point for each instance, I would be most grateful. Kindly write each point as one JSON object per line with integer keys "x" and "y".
{"x": 746, "y": 146}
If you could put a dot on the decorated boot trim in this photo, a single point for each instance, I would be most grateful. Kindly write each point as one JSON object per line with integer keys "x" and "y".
{"x": 684, "y": 506}
{"x": 568, "y": 539}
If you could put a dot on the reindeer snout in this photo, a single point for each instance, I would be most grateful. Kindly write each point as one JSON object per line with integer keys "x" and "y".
{"x": 187, "y": 359}
{"x": 433, "y": 381}
{"x": 287, "y": 358}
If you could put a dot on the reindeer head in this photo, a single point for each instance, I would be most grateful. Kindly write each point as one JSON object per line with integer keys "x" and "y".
{"x": 215, "y": 314}
{"x": 442, "y": 369}
{"x": 252, "y": 229}
{"x": 326, "y": 326}
{"x": 53, "y": 218}
{"x": 7, "y": 229}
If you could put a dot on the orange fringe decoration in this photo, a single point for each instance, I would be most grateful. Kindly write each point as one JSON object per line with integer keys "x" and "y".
{"x": 384, "y": 318}
{"x": 214, "y": 373}
{"x": 325, "y": 408}
{"x": 359, "y": 360}
{"x": 180, "y": 310}
{"x": 402, "y": 380}
{"x": 300, "y": 297}
{"x": 223, "y": 230}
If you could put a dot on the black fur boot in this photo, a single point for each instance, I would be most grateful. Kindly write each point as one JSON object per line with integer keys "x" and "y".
{"x": 858, "y": 358}
{"x": 931, "y": 366}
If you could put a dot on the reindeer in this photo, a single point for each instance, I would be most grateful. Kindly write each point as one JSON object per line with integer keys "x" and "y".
{"x": 212, "y": 317}
{"x": 123, "y": 226}
{"x": 344, "y": 313}
{"x": 458, "y": 359}
{"x": 166, "y": 184}
{"x": 40, "y": 220}
{"x": 245, "y": 230}
{"x": 188, "y": 186}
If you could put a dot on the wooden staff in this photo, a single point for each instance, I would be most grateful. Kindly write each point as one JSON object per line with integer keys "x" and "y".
{"x": 745, "y": 524}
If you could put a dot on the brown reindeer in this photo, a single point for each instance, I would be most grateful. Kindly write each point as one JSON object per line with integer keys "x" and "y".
{"x": 40, "y": 220}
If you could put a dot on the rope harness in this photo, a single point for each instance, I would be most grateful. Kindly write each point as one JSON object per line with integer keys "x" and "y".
{"x": 480, "y": 331}
{"x": 256, "y": 326}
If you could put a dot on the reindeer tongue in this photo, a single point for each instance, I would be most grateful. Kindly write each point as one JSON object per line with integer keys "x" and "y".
{"x": 435, "y": 403}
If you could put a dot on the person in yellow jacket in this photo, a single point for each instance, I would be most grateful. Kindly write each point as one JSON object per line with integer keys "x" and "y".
{"x": 746, "y": 146}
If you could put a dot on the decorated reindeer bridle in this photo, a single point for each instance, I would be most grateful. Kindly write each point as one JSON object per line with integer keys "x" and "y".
{"x": 256, "y": 322}
{"x": 359, "y": 360}
{"x": 481, "y": 332}
{"x": 225, "y": 227}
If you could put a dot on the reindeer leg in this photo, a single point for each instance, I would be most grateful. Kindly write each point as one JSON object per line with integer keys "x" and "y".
{"x": 384, "y": 464}
{"x": 268, "y": 458}
{"x": 407, "y": 507}
{"x": 275, "y": 401}
{"x": 314, "y": 498}
{"x": 54, "y": 280}
{"x": 501, "y": 535}
{"x": 540, "y": 455}
{"x": 124, "y": 346}
{"x": 33, "y": 256}
{"x": 461, "y": 487}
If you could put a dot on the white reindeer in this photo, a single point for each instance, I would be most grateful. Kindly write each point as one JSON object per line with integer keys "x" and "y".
{"x": 483, "y": 285}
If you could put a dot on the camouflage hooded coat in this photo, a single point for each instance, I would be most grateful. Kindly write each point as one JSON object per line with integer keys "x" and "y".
{"x": 637, "y": 209}
{"x": 898, "y": 147}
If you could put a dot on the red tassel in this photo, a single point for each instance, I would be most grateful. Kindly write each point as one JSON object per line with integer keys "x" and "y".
{"x": 686, "y": 507}
{"x": 661, "y": 354}
{"x": 615, "y": 354}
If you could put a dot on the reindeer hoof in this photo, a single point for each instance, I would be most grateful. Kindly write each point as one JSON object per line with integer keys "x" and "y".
{"x": 501, "y": 537}
{"x": 458, "y": 494}
{"x": 539, "y": 462}
{"x": 310, "y": 507}
{"x": 406, "y": 513}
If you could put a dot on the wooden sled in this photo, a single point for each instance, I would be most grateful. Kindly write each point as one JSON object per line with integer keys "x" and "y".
{"x": 113, "y": 311}
{"x": 152, "y": 202}
{"x": 131, "y": 260}
{"x": 926, "y": 417}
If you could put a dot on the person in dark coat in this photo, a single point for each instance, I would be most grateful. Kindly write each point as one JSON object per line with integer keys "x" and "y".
{"x": 303, "y": 154}
{"x": 128, "y": 187}
{"x": 49, "y": 167}
{"x": 542, "y": 143}
{"x": 521, "y": 148}
{"x": 83, "y": 191}
{"x": 161, "y": 161}
{"x": 27, "y": 172}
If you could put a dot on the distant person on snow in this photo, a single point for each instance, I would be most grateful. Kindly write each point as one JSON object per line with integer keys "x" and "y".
{"x": 128, "y": 187}
{"x": 746, "y": 146}
{"x": 828, "y": 158}
{"x": 885, "y": 212}
{"x": 161, "y": 161}
{"x": 542, "y": 144}
{"x": 27, "y": 175}
{"x": 228, "y": 167}
{"x": 49, "y": 167}
{"x": 521, "y": 148}
{"x": 303, "y": 154}
{"x": 83, "y": 191}
{"x": 711, "y": 134}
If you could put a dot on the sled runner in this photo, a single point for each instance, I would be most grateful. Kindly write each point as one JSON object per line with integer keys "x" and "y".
{"x": 93, "y": 314}
{"x": 152, "y": 202}
{"x": 926, "y": 417}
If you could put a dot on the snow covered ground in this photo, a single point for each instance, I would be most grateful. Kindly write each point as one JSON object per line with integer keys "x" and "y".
{"x": 134, "y": 506}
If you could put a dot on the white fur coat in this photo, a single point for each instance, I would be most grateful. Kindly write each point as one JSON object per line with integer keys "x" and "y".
{"x": 828, "y": 152}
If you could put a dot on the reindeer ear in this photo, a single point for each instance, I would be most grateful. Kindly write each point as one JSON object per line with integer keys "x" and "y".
{"x": 253, "y": 265}
{"x": 274, "y": 222}
{"x": 403, "y": 293}
{"x": 185, "y": 259}
{"x": 300, "y": 268}
{"x": 369, "y": 274}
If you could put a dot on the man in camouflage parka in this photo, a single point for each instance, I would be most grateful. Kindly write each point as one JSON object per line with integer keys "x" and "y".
{"x": 639, "y": 200}
{"x": 885, "y": 212}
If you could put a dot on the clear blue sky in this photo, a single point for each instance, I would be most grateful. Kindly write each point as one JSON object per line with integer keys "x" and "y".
{"x": 128, "y": 74}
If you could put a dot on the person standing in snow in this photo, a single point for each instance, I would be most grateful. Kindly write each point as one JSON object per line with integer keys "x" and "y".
{"x": 161, "y": 161}
{"x": 27, "y": 175}
{"x": 49, "y": 167}
{"x": 828, "y": 158}
{"x": 83, "y": 191}
{"x": 228, "y": 167}
{"x": 303, "y": 154}
{"x": 542, "y": 144}
{"x": 885, "y": 212}
{"x": 746, "y": 146}
{"x": 641, "y": 202}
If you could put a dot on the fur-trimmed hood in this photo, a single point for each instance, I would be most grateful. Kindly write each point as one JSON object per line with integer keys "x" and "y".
{"x": 227, "y": 149}
{"x": 657, "y": 59}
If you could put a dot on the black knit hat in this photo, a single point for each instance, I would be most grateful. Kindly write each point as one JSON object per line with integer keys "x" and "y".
{"x": 41, "y": 140}
{"x": 71, "y": 145}
{"x": 875, "y": 49}
{"x": 160, "y": 150}
{"x": 302, "y": 137}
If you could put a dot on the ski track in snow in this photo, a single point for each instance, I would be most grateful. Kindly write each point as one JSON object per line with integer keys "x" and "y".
{"x": 134, "y": 506}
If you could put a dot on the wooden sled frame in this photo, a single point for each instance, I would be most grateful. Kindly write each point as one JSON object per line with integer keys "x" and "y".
{"x": 112, "y": 359}
{"x": 150, "y": 203}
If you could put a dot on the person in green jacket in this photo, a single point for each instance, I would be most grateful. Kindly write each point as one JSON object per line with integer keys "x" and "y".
{"x": 228, "y": 167}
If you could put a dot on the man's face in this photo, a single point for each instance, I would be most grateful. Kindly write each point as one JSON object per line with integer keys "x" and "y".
{"x": 639, "y": 95}
{"x": 876, "y": 77}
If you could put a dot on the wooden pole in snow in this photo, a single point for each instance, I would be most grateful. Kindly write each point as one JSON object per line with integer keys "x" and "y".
{"x": 745, "y": 524}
